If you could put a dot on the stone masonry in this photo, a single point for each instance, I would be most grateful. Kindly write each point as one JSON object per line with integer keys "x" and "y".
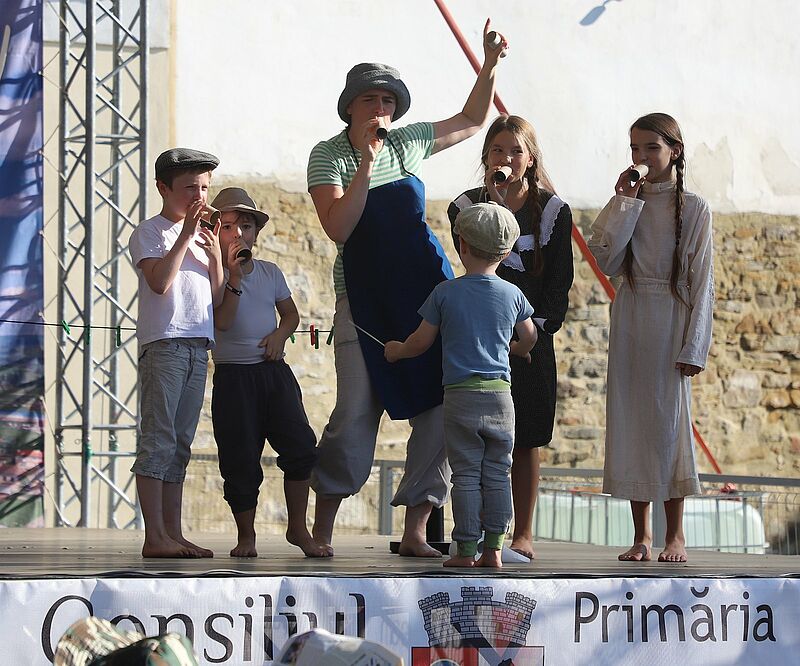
{"x": 745, "y": 404}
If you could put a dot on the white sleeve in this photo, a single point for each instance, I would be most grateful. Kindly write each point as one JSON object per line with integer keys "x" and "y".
{"x": 700, "y": 258}
{"x": 146, "y": 242}
{"x": 282, "y": 291}
{"x": 612, "y": 231}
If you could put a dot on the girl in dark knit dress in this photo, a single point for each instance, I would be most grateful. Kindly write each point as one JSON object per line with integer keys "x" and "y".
{"x": 541, "y": 266}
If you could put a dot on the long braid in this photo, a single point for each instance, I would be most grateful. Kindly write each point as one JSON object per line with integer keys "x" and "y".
{"x": 532, "y": 176}
{"x": 680, "y": 165}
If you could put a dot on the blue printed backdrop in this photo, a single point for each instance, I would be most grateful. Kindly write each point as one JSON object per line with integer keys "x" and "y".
{"x": 21, "y": 270}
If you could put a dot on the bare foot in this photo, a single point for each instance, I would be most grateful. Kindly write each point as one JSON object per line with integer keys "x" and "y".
{"x": 325, "y": 543}
{"x": 305, "y": 542}
{"x": 410, "y": 548}
{"x": 166, "y": 547}
{"x": 197, "y": 550}
{"x": 524, "y": 547}
{"x": 245, "y": 547}
{"x": 460, "y": 561}
{"x": 638, "y": 552}
{"x": 675, "y": 551}
{"x": 490, "y": 558}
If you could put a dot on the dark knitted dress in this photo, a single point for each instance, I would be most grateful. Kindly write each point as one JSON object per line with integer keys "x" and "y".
{"x": 533, "y": 386}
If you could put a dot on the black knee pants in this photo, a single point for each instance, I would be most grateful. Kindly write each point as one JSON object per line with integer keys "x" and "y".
{"x": 251, "y": 404}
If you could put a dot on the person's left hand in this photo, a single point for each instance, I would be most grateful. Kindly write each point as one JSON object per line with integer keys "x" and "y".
{"x": 492, "y": 54}
{"x": 234, "y": 262}
{"x": 273, "y": 345}
{"x": 209, "y": 241}
{"x": 514, "y": 350}
{"x": 687, "y": 369}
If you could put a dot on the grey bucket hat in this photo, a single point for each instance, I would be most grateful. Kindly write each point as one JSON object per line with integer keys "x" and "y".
{"x": 367, "y": 76}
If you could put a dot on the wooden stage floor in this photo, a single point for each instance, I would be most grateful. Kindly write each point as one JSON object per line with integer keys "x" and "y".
{"x": 93, "y": 553}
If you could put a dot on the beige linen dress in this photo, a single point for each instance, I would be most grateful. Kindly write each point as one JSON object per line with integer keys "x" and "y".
{"x": 649, "y": 444}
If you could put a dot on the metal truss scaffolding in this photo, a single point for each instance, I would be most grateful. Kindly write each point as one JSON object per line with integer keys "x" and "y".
{"x": 102, "y": 196}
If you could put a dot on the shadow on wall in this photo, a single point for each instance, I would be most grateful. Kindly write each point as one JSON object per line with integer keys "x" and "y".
{"x": 595, "y": 13}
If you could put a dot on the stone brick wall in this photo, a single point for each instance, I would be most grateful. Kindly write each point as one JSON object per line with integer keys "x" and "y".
{"x": 745, "y": 404}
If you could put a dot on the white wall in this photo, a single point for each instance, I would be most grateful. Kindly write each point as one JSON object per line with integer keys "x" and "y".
{"x": 256, "y": 82}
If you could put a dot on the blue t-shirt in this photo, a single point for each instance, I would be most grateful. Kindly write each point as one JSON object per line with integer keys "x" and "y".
{"x": 476, "y": 315}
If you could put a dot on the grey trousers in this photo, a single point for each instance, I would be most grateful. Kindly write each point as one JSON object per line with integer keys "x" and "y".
{"x": 172, "y": 377}
{"x": 347, "y": 447}
{"x": 479, "y": 437}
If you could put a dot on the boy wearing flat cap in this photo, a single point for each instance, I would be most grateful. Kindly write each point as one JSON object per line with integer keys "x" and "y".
{"x": 477, "y": 314}
{"x": 256, "y": 396}
{"x": 371, "y": 203}
{"x": 179, "y": 266}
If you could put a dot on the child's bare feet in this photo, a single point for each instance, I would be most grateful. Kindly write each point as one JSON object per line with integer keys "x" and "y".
{"x": 674, "y": 551}
{"x": 304, "y": 541}
{"x": 460, "y": 561}
{"x": 413, "y": 548}
{"x": 245, "y": 547}
{"x": 523, "y": 546}
{"x": 325, "y": 545}
{"x": 638, "y": 552}
{"x": 165, "y": 547}
{"x": 490, "y": 558}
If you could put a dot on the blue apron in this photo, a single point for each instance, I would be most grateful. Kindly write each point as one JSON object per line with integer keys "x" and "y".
{"x": 392, "y": 261}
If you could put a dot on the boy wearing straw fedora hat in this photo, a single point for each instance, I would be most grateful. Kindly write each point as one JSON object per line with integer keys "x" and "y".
{"x": 256, "y": 396}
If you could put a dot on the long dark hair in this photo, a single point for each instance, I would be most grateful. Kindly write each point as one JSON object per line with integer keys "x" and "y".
{"x": 524, "y": 133}
{"x": 668, "y": 129}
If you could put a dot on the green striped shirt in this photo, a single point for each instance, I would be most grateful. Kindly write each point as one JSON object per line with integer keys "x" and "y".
{"x": 333, "y": 162}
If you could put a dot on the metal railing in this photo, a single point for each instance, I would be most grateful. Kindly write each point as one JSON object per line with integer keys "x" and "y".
{"x": 761, "y": 515}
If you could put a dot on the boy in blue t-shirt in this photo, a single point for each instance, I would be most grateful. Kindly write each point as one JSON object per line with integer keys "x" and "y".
{"x": 477, "y": 314}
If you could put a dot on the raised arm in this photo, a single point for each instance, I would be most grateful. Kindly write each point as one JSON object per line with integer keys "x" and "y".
{"x": 476, "y": 110}
{"x": 225, "y": 310}
{"x": 160, "y": 273}
{"x": 339, "y": 210}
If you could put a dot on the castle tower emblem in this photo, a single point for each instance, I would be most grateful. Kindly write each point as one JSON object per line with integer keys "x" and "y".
{"x": 477, "y": 620}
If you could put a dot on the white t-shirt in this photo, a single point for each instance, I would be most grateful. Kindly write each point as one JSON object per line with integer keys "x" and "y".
{"x": 255, "y": 317}
{"x": 186, "y": 310}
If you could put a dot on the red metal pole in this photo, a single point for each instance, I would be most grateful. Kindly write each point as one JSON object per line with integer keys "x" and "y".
{"x": 577, "y": 236}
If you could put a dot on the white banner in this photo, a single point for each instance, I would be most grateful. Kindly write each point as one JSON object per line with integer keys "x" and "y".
{"x": 473, "y": 621}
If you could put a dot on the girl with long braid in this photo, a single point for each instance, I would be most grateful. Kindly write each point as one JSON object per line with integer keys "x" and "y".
{"x": 540, "y": 264}
{"x": 657, "y": 237}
